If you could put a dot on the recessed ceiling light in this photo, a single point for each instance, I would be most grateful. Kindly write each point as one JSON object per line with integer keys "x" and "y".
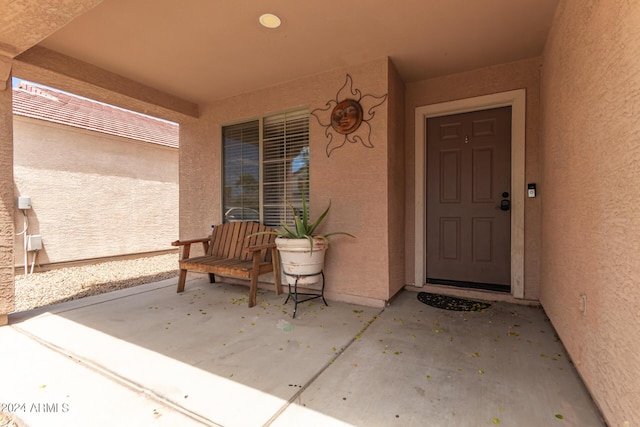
{"x": 270, "y": 20}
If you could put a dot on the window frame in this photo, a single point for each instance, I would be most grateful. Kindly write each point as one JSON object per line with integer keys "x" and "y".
{"x": 304, "y": 110}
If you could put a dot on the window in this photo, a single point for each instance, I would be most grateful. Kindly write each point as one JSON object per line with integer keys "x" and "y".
{"x": 266, "y": 168}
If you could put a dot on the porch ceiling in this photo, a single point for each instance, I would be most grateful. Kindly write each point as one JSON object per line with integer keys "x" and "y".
{"x": 202, "y": 50}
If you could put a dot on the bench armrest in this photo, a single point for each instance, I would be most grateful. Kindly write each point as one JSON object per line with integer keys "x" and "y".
{"x": 186, "y": 246}
{"x": 188, "y": 242}
{"x": 260, "y": 247}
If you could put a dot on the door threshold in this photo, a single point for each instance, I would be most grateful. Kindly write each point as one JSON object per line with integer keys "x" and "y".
{"x": 471, "y": 285}
{"x": 475, "y": 294}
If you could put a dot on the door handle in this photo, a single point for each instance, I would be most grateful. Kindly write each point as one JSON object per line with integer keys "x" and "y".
{"x": 505, "y": 204}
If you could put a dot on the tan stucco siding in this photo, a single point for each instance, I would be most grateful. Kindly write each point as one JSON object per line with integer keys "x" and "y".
{"x": 396, "y": 202}
{"x": 495, "y": 79}
{"x": 6, "y": 204}
{"x": 93, "y": 195}
{"x": 590, "y": 215}
{"x": 200, "y": 176}
{"x": 354, "y": 177}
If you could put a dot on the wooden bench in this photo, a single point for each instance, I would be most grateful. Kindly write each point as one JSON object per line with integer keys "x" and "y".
{"x": 231, "y": 250}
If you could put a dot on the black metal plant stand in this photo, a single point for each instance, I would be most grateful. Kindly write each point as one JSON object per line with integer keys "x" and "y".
{"x": 307, "y": 296}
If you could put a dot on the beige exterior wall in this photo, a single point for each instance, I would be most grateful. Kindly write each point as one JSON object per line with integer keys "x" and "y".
{"x": 499, "y": 78}
{"x": 356, "y": 179}
{"x": 93, "y": 195}
{"x": 7, "y": 296}
{"x": 591, "y": 201}
{"x": 396, "y": 172}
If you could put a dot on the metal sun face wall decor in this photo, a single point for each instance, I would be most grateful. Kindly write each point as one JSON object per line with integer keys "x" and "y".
{"x": 347, "y": 117}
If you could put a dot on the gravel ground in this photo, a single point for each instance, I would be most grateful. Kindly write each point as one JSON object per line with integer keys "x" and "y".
{"x": 66, "y": 284}
{"x": 10, "y": 420}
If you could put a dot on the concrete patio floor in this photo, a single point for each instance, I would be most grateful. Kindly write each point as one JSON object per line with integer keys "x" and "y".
{"x": 146, "y": 356}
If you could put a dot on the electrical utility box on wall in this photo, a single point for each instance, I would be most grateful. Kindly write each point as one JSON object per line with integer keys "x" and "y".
{"x": 24, "y": 202}
{"x": 34, "y": 242}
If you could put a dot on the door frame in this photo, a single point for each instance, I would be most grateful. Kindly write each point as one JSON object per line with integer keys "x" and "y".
{"x": 517, "y": 100}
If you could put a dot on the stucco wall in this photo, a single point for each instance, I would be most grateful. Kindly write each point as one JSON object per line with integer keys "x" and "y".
{"x": 354, "y": 178}
{"x": 590, "y": 214}
{"x": 499, "y": 78}
{"x": 6, "y": 204}
{"x": 93, "y": 195}
{"x": 396, "y": 173}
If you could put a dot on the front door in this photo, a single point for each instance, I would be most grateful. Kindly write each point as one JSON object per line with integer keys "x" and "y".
{"x": 468, "y": 199}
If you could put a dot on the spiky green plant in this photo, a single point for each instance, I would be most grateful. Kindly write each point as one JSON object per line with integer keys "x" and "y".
{"x": 303, "y": 227}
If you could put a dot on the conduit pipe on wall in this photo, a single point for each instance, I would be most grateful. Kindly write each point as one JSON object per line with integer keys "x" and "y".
{"x": 33, "y": 261}
{"x": 24, "y": 239}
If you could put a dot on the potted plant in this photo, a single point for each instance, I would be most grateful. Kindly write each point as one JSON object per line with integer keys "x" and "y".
{"x": 301, "y": 248}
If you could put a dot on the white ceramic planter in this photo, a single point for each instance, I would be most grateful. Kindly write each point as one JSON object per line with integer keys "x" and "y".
{"x": 299, "y": 260}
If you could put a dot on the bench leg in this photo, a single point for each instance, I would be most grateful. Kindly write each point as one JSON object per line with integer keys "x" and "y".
{"x": 212, "y": 278}
{"x": 255, "y": 272}
{"x": 253, "y": 291}
{"x": 275, "y": 261}
{"x": 181, "y": 280}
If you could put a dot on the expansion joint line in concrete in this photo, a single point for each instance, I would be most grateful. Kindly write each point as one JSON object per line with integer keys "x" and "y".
{"x": 113, "y": 376}
{"x": 298, "y": 394}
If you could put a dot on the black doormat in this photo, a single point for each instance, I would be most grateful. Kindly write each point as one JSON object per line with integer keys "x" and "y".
{"x": 451, "y": 303}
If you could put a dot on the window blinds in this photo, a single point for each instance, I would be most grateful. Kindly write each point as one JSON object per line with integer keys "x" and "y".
{"x": 241, "y": 154}
{"x": 280, "y": 175}
{"x": 285, "y": 165}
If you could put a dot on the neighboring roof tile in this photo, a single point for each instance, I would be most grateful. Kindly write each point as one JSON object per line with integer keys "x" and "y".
{"x": 44, "y": 103}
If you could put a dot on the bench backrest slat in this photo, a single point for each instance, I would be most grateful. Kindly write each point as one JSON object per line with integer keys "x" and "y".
{"x": 237, "y": 243}
{"x": 217, "y": 240}
{"x": 228, "y": 240}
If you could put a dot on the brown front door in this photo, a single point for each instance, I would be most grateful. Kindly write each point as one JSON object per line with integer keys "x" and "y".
{"x": 468, "y": 199}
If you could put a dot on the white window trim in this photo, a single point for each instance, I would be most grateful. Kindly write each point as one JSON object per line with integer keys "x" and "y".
{"x": 517, "y": 100}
